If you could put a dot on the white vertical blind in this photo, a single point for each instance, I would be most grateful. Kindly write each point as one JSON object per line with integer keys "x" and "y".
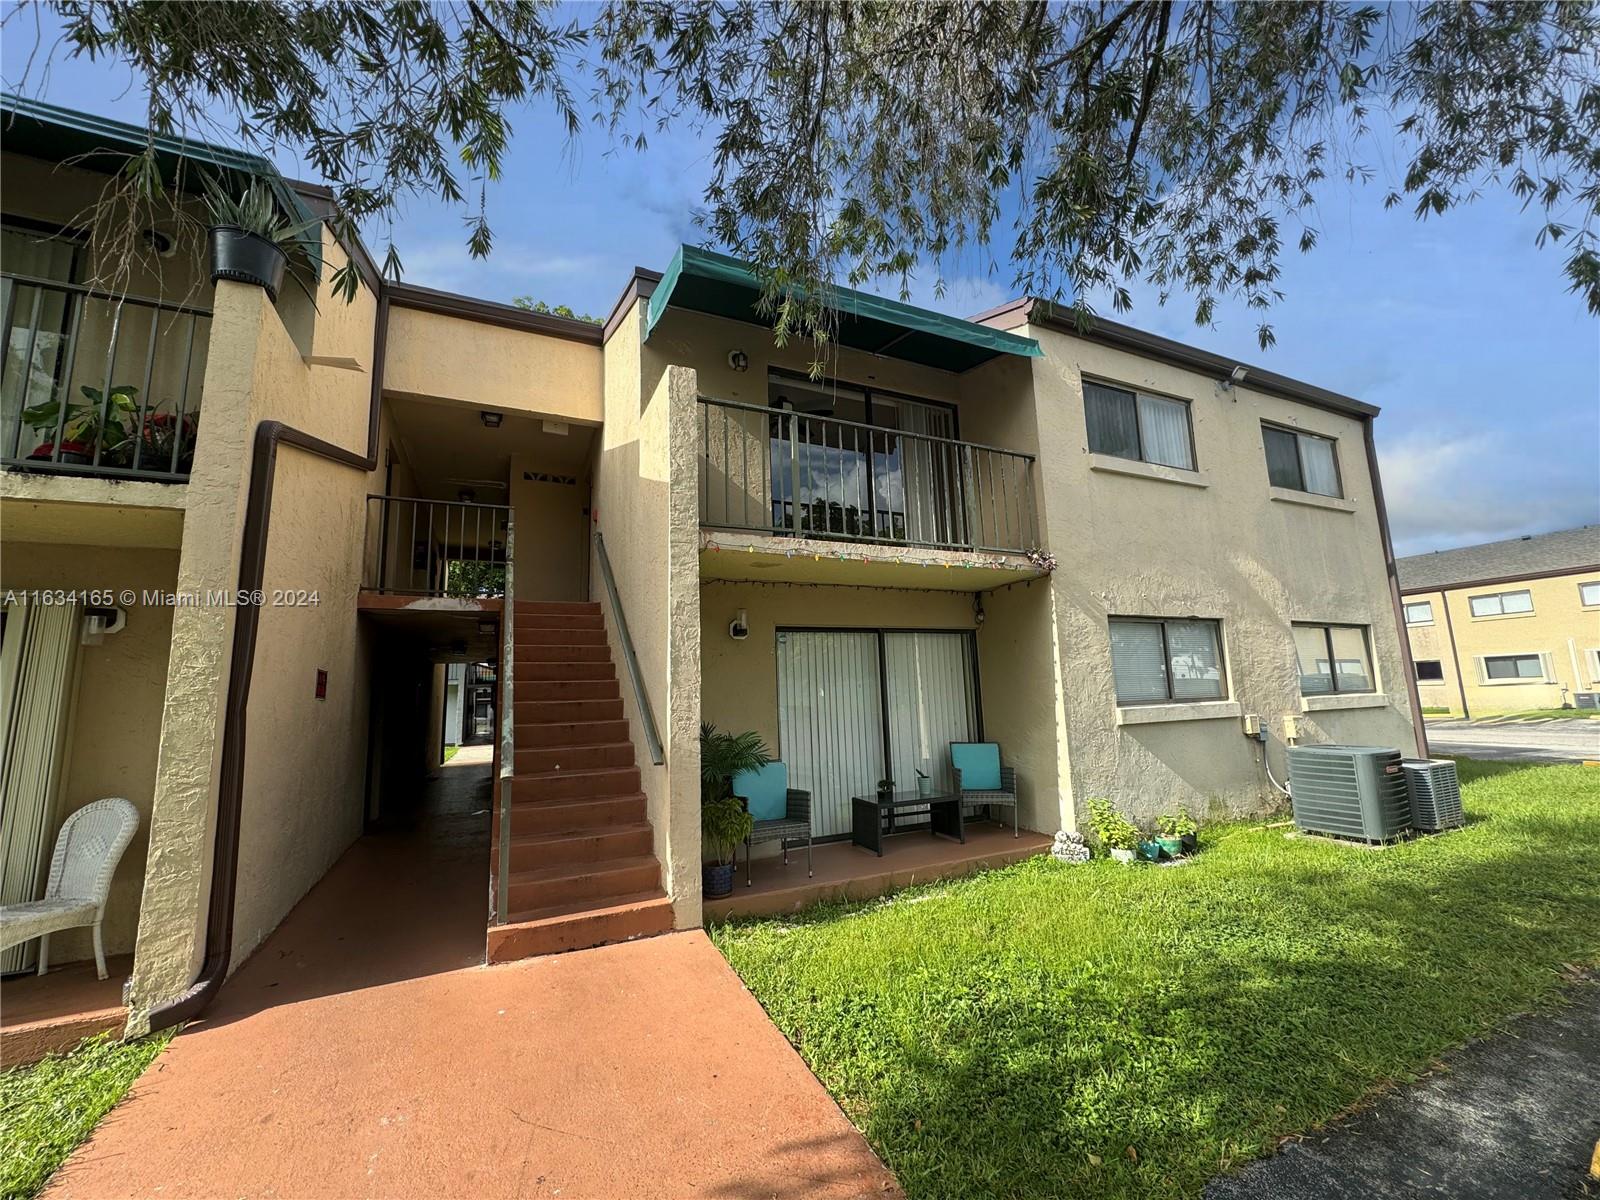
{"x": 930, "y": 704}
{"x": 1164, "y": 425}
{"x": 830, "y": 720}
{"x": 36, "y": 671}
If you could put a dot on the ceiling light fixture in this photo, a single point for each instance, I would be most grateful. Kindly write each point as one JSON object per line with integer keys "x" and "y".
{"x": 491, "y": 420}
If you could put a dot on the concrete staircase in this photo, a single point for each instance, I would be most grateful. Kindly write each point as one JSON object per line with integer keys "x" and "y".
{"x": 583, "y": 870}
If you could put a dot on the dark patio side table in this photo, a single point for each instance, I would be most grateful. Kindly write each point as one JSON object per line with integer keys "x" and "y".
{"x": 867, "y": 812}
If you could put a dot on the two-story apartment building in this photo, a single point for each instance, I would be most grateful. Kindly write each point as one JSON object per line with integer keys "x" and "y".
{"x": 1509, "y": 626}
{"x": 1112, "y": 554}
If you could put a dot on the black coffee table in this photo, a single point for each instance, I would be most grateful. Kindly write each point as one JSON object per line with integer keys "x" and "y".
{"x": 867, "y": 813}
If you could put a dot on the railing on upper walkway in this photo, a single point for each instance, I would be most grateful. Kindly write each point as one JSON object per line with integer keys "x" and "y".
{"x": 94, "y": 383}
{"x": 421, "y": 547}
{"x": 771, "y": 470}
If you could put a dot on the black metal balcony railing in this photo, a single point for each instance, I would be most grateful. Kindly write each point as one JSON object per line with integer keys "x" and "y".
{"x": 98, "y": 384}
{"x": 422, "y": 547}
{"x": 772, "y": 470}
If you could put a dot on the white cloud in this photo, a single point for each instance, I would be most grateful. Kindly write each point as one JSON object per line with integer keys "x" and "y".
{"x": 1445, "y": 491}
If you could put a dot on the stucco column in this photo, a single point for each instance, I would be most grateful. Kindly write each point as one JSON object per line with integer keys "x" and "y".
{"x": 683, "y": 649}
{"x": 178, "y": 871}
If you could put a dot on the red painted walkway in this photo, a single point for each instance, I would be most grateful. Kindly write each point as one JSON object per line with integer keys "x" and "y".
{"x": 328, "y": 1067}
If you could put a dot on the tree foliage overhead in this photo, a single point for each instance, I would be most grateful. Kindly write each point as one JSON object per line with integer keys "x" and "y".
{"x": 1092, "y": 146}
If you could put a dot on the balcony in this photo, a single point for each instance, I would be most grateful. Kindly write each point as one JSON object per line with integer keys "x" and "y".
{"x": 443, "y": 548}
{"x": 788, "y": 474}
{"x": 94, "y": 383}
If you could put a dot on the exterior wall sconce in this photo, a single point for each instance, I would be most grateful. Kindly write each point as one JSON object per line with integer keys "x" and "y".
{"x": 739, "y": 627}
{"x": 739, "y": 361}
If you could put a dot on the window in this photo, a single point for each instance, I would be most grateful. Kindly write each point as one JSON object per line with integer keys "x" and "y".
{"x": 1513, "y": 666}
{"x": 1133, "y": 425}
{"x": 1420, "y": 613}
{"x": 1333, "y": 658}
{"x": 1499, "y": 604}
{"x": 1589, "y": 594}
{"x": 1154, "y": 661}
{"x": 1301, "y": 462}
{"x": 1429, "y": 670}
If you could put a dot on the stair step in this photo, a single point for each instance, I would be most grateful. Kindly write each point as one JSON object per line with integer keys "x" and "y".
{"x": 556, "y": 620}
{"x": 537, "y": 818}
{"x": 558, "y": 606}
{"x": 576, "y": 785}
{"x": 561, "y": 672}
{"x": 571, "y": 733}
{"x": 571, "y": 882}
{"x": 546, "y": 712}
{"x": 563, "y": 653}
{"x": 557, "y": 928}
{"x": 568, "y": 689}
{"x": 574, "y": 758}
{"x": 558, "y": 635}
{"x": 607, "y": 843}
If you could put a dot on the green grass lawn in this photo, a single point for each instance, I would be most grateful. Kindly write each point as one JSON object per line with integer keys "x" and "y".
{"x": 450, "y": 752}
{"x": 1108, "y": 1031}
{"x": 48, "y": 1108}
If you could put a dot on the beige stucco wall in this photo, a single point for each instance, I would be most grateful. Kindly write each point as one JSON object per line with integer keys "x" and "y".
{"x": 552, "y": 548}
{"x": 1560, "y": 627}
{"x": 304, "y": 760}
{"x": 1219, "y": 545}
{"x": 114, "y": 722}
{"x": 644, "y": 505}
{"x": 490, "y": 366}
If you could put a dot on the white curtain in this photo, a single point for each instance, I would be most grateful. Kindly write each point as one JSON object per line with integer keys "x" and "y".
{"x": 930, "y": 704}
{"x": 830, "y": 721}
{"x": 1165, "y": 425}
{"x": 1316, "y": 460}
{"x": 38, "y": 655}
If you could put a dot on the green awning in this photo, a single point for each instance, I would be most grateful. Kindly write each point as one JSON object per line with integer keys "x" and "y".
{"x": 56, "y": 134}
{"x": 706, "y": 282}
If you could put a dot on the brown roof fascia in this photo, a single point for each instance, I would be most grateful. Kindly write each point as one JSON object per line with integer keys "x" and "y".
{"x": 641, "y": 287}
{"x": 491, "y": 312}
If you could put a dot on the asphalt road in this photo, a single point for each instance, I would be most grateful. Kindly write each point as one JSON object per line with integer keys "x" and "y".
{"x": 1554, "y": 740}
{"x": 1511, "y": 1117}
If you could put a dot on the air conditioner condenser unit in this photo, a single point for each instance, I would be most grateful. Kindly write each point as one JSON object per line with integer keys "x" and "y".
{"x": 1435, "y": 793}
{"x": 1356, "y": 792}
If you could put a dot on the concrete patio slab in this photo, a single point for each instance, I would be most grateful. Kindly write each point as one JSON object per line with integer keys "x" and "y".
{"x": 336, "y": 1063}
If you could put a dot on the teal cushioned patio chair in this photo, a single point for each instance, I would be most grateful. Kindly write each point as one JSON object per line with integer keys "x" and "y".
{"x": 782, "y": 813}
{"x": 982, "y": 779}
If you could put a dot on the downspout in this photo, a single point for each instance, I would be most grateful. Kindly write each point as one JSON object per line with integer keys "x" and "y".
{"x": 269, "y": 436}
{"x": 1394, "y": 589}
{"x": 1455, "y": 655}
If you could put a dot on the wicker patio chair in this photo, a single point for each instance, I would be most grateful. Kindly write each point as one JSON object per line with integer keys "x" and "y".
{"x": 782, "y": 813}
{"x": 90, "y": 844}
{"x": 982, "y": 779}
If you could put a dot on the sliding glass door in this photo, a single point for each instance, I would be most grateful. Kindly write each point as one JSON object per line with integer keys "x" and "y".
{"x": 857, "y": 706}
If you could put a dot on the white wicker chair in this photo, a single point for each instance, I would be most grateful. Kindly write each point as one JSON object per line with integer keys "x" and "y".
{"x": 88, "y": 848}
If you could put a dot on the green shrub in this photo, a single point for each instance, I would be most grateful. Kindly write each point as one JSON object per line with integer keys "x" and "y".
{"x": 1111, "y": 829}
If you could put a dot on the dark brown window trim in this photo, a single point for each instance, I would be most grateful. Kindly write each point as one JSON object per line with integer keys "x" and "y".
{"x": 1166, "y": 658}
{"x": 1338, "y": 465}
{"x": 1327, "y": 628}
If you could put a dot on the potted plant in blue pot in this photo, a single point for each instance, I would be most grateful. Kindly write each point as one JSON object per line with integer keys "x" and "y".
{"x": 724, "y": 823}
{"x": 1178, "y": 833}
{"x": 250, "y": 236}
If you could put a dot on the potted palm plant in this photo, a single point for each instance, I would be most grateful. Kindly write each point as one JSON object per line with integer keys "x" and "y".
{"x": 250, "y": 236}
{"x": 724, "y": 823}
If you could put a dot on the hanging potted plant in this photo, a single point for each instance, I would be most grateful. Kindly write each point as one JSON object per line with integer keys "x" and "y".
{"x": 1115, "y": 832}
{"x": 724, "y": 823}
{"x": 250, "y": 236}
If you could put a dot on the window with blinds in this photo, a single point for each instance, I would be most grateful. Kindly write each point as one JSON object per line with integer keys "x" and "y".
{"x": 1334, "y": 659}
{"x": 1301, "y": 462}
{"x": 1137, "y": 426}
{"x": 1501, "y": 604}
{"x": 1157, "y": 661}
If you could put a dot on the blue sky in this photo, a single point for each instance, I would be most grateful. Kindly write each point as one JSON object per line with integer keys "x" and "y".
{"x": 1486, "y": 368}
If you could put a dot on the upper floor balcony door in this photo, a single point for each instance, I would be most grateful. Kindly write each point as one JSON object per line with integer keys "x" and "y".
{"x": 830, "y": 460}
{"x": 93, "y": 382}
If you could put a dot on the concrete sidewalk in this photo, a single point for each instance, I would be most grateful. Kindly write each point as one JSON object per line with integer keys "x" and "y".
{"x": 353, "y": 1056}
{"x": 1514, "y": 1116}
